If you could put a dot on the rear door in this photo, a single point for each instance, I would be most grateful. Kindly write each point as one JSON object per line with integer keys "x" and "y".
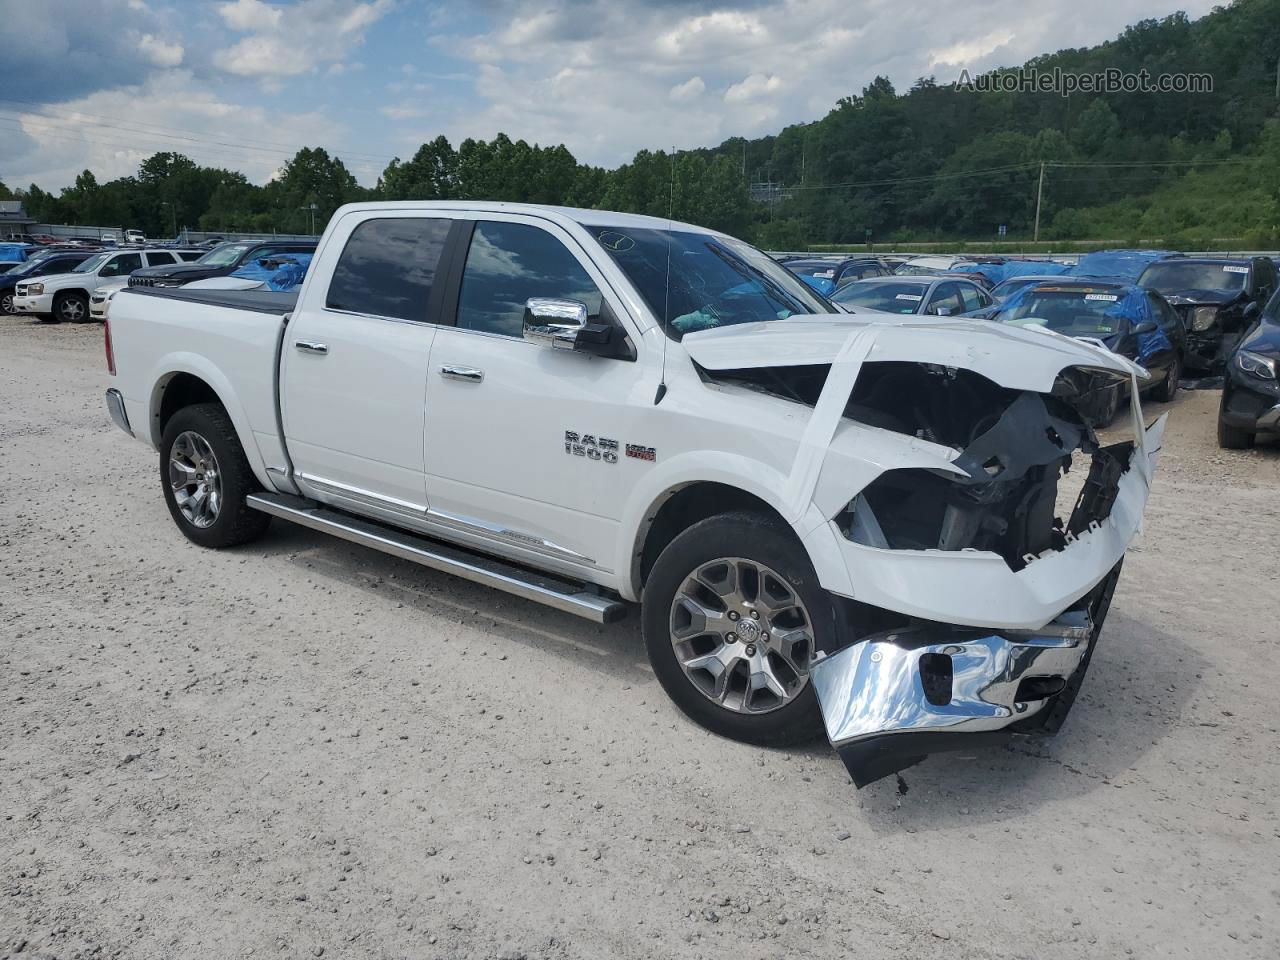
{"x": 354, "y": 366}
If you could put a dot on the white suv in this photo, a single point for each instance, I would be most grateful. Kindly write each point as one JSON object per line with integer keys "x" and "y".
{"x": 66, "y": 295}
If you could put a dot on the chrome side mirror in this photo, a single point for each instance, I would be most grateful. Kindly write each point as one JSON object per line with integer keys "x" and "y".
{"x": 554, "y": 323}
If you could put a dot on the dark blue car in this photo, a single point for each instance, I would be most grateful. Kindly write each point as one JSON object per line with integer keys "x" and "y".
{"x": 1127, "y": 319}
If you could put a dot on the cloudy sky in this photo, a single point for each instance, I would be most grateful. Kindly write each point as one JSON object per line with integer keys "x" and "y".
{"x": 244, "y": 83}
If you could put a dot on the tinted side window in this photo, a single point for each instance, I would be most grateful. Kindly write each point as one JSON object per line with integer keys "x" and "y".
{"x": 190, "y": 255}
{"x": 159, "y": 259}
{"x": 122, "y": 265}
{"x": 388, "y": 266}
{"x": 507, "y": 264}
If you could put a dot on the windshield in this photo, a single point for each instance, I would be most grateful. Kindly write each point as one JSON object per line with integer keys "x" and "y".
{"x": 715, "y": 281}
{"x": 1073, "y": 313}
{"x": 891, "y": 296}
{"x": 825, "y": 271}
{"x": 1174, "y": 276}
{"x": 92, "y": 264}
{"x": 917, "y": 270}
{"x": 225, "y": 255}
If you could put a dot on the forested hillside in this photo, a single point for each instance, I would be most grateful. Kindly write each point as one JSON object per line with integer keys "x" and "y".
{"x": 933, "y": 162}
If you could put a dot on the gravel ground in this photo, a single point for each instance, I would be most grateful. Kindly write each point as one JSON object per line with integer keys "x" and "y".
{"x": 303, "y": 748}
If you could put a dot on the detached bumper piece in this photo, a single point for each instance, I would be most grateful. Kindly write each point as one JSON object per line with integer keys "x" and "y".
{"x": 890, "y": 700}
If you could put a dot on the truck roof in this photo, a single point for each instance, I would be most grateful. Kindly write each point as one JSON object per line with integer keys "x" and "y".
{"x": 578, "y": 215}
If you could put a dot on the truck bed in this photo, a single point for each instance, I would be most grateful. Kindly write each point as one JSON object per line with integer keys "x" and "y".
{"x": 257, "y": 301}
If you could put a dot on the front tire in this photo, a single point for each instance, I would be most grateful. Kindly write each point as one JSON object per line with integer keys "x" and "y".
{"x": 731, "y": 614}
{"x": 1233, "y": 438}
{"x": 6, "y": 304}
{"x": 71, "y": 307}
{"x": 206, "y": 478}
{"x": 1169, "y": 388}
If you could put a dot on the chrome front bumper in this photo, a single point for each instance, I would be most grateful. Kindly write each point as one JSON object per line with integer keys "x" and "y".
{"x": 893, "y": 698}
{"x": 115, "y": 406}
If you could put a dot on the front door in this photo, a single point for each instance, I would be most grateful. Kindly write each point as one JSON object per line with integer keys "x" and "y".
{"x": 354, "y": 368}
{"x": 525, "y": 445}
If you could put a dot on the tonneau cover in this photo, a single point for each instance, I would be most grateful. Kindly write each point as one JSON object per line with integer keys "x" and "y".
{"x": 258, "y": 301}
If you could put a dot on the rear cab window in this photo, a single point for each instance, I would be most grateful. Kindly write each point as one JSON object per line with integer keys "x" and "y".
{"x": 388, "y": 267}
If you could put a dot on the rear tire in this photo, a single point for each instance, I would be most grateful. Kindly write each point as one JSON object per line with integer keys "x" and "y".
{"x": 1233, "y": 438}
{"x": 206, "y": 478}
{"x": 71, "y": 307}
{"x": 796, "y": 618}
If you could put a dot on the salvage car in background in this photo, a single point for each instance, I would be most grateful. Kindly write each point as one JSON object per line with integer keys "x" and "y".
{"x": 935, "y": 296}
{"x": 1250, "y": 405}
{"x": 222, "y": 261}
{"x": 1126, "y": 319}
{"x": 1218, "y": 298}
{"x": 827, "y": 520}
{"x": 37, "y": 266}
{"x": 65, "y": 296}
{"x": 828, "y": 275}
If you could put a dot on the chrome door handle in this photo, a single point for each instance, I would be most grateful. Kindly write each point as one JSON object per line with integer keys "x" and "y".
{"x": 469, "y": 374}
{"x": 311, "y": 346}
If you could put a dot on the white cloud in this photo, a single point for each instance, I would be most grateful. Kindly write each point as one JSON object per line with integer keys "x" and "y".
{"x": 753, "y": 87}
{"x": 159, "y": 53}
{"x": 293, "y": 40}
{"x": 691, "y": 89}
{"x": 555, "y": 71}
{"x": 97, "y": 133}
{"x": 248, "y": 15}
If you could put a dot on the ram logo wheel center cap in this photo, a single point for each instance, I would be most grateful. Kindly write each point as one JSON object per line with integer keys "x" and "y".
{"x": 749, "y": 631}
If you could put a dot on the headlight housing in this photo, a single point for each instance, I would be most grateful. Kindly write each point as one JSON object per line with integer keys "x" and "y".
{"x": 1202, "y": 318}
{"x": 35, "y": 289}
{"x": 1256, "y": 365}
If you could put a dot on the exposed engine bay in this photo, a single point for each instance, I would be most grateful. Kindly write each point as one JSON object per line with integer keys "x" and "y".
{"x": 1020, "y": 452}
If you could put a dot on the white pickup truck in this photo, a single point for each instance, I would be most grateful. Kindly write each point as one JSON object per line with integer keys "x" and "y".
{"x": 901, "y": 529}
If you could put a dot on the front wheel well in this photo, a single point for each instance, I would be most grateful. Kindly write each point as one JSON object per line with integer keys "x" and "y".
{"x": 181, "y": 390}
{"x": 682, "y": 508}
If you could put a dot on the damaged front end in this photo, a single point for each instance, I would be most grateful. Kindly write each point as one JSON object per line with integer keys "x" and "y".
{"x": 953, "y": 491}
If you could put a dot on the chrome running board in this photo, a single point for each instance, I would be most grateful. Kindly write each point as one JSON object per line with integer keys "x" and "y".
{"x": 561, "y": 594}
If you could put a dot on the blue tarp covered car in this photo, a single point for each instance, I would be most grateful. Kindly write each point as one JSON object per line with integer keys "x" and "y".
{"x": 1000, "y": 272}
{"x": 1127, "y": 319}
{"x": 13, "y": 252}
{"x": 280, "y": 272}
{"x": 1126, "y": 264}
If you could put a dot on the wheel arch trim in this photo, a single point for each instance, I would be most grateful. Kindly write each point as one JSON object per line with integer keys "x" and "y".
{"x": 175, "y": 364}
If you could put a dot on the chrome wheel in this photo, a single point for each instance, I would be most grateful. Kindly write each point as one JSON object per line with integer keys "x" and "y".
{"x": 741, "y": 635}
{"x": 71, "y": 309}
{"x": 194, "y": 478}
{"x": 6, "y": 304}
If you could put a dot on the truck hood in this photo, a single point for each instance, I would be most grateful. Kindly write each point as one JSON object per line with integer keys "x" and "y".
{"x": 1017, "y": 358}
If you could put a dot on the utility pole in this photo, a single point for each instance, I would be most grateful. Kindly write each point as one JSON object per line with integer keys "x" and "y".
{"x": 1039, "y": 197}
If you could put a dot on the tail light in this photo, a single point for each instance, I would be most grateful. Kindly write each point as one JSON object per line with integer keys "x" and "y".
{"x": 111, "y": 354}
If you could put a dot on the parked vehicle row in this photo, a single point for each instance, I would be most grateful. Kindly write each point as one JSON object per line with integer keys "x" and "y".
{"x": 65, "y": 296}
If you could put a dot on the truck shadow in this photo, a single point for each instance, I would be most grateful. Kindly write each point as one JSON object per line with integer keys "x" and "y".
{"x": 1138, "y": 687}
{"x": 614, "y": 650}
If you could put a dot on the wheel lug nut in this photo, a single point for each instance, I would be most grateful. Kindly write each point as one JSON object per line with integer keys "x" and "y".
{"x": 751, "y": 650}
{"x": 732, "y": 637}
{"x": 733, "y": 614}
{"x": 755, "y": 614}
